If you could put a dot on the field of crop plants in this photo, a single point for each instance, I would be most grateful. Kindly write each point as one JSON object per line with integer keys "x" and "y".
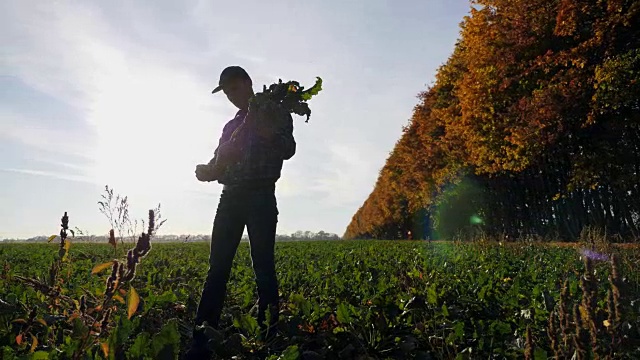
{"x": 339, "y": 300}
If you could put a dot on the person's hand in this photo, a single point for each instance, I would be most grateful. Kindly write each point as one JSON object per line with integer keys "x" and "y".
{"x": 205, "y": 173}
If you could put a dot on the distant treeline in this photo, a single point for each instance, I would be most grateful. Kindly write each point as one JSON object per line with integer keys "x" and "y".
{"x": 532, "y": 127}
{"x": 297, "y": 236}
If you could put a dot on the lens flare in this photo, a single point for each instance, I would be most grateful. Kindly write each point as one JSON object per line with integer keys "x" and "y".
{"x": 457, "y": 210}
{"x": 593, "y": 255}
{"x": 475, "y": 220}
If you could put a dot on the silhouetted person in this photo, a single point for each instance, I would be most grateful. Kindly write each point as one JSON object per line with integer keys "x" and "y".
{"x": 248, "y": 165}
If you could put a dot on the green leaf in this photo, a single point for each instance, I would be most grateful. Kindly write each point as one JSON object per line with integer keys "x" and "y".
{"x": 458, "y": 328}
{"x": 343, "y": 313}
{"x": 40, "y": 355}
{"x": 121, "y": 333}
{"x": 71, "y": 345}
{"x": 166, "y": 344}
{"x": 432, "y": 296}
{"x": 167, "y": 297}
{"x": 539, "y": 354}
{"x": 6, "y": 352}
{"x": 79, "y": 329}
{"x": 536, "y": 291}
{"x": 501, "y": 327}
{"x": 573, "y": 286}
{"x": 290, "y": 353}
{"x": 314, "y": 90}
{"x": 50, "y": 239}
{"x": 301, "y": 304}
{"x": 445, "y": 310}
{"x": 247, "y": 323}
{"x": 140, "y": 346}
{"x": 482, "y": 293}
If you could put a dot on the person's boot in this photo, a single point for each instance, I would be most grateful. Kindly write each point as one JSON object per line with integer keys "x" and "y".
{"x": 199, "y": 349}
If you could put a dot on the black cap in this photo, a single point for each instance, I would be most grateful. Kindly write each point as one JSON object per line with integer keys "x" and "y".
{"x": 230, "y": 73}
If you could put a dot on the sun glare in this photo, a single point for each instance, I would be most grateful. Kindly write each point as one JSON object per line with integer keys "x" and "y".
{"x": 152, "y": 124}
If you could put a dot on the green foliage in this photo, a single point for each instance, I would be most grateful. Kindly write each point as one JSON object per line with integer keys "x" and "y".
{"x": 166, "y": 344}
{"x": 291, "y": 353}
{"x": 289, "y": 96}
{"x": 617, "y": 82}
{"x": 382, "y": 299}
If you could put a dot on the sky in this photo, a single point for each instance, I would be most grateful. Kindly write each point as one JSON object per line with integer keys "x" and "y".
{"x": 118, "y": 93}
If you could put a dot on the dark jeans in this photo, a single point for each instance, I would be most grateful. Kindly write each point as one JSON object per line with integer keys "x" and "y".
{"x": 255, "y": 207}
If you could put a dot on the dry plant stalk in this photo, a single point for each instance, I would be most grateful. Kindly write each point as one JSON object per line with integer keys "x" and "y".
{"x": 529, "y": 347}
{"x": 552, "y": 333}
{"x": 122, "y": 273}
{"x": 50, "y": 286}
{"x": 95, "y": 319}
{"x": 581, "y": 337}
{"x": 614, "y": 307}
{"x": 589, "y": 302}
{"x": 563, "y": 313}
{"x": 580, "y": 333}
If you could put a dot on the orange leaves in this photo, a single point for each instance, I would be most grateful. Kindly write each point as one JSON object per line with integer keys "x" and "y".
{"x": 34, "y": 343}
{"x": 308, "y": 328}
{"x": 133, "y": 301}
{"x": 567, "y": 19}
{"x": 536, "y": 90}
{"x": 105, "y": 349}
{"x": 99, "y": 268}
{"x": 20, "y": 339}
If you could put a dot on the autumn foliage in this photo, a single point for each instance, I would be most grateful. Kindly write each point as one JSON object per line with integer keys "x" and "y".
{"x": 538, "y": 108}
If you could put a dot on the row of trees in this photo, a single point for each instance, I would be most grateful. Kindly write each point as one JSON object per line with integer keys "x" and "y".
{"x": 308, "y": 235}
{"x": 532, "y": 127}
{"x": 296, "y": 236}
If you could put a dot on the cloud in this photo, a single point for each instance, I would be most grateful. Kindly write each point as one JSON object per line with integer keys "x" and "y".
{"x": 149, "y": 118}
{"x": 46, "y": 50}
{"x": 78, "y": 169}
{"x": 53, "y": 175}
{"x": 42, "y": 136}
{"x": 346, "y": 175}
{"x": 135, "y": 81}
